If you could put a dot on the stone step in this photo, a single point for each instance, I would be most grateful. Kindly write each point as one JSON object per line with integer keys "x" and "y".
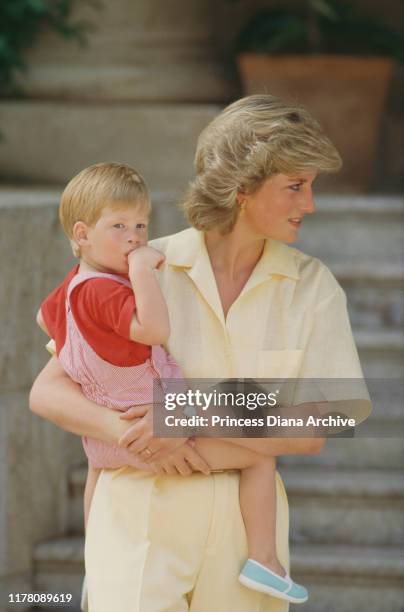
{"x": 347, "y": 229}
{"x": 381, "y": 352}
{"x": 376, "y": 273}
{"x": 326, "y": 504}
{"x": 375, "y": 293}
{"x": 373, "y": 453}
{"x": 348, "y": 506}
{"x": 12, "y": 584}
{"x": 346, "y": 578}
{"x": 383, "y": 340}
{"x": 357, "y": 206}
{"x": 76, "y": 482}
{"x": 387, "y": 403}
{"x": 340, "y": 578}
{"x": 158, "y": 139}
{"x": 59, "y": 566}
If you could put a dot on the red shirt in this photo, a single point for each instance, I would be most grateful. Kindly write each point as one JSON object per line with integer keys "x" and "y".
{"x": 103, "y": 310}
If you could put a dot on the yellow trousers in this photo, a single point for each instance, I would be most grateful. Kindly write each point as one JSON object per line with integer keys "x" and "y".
{"x": 173, "y": 544}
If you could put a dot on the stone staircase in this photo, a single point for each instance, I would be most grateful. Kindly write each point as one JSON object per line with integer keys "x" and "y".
{"x": 346, "y": 504}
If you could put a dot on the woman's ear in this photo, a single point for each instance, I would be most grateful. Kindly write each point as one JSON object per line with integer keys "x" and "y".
{"x": 80, "y": 233}
{"x": 241, "y": 200}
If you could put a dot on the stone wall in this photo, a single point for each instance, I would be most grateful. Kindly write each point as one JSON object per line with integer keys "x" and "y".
{"x": 35, "y": 455}
{"x": 148, "y": 50}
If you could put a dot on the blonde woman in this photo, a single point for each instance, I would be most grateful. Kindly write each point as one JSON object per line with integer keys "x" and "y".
{"x": 242, "y": 304}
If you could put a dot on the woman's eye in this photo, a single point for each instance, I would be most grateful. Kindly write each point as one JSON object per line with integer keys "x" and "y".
{"x": 119, "y": 225}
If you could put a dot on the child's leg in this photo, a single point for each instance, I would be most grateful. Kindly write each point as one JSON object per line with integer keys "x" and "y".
{"x": 92, "y": 477}
{"x": 257, "y": 495}
{"x": 262, "y": 571}
{"x": 222, "y": 455}
{"x": 258, "y": 507}
{"x": 91, "y": 481}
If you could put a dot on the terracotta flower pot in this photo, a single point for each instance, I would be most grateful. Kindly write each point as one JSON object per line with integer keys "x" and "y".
{"x": 345, "y": 93}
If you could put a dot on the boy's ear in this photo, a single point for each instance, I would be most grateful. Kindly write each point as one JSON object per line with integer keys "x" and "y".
{"x": 80, "y": 233}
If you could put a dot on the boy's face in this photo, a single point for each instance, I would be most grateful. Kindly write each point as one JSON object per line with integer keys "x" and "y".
{"x": 118, "y": 231}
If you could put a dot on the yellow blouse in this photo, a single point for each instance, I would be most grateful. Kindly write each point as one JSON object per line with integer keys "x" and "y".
{"x": 290, "y": 320}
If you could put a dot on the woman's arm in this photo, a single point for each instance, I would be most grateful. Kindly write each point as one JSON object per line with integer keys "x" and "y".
{"x": 270, "y": 447}
{"x": 140, "y": 436}
{"x": 273, "y": 447}
{"x": 219, "y": 454}
{"x": 54, "y": 396}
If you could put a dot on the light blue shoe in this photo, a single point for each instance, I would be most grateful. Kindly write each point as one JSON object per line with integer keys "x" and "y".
{"x": 258, "y": 577}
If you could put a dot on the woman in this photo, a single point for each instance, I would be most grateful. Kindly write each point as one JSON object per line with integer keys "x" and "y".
{"x": 241, "y": 304}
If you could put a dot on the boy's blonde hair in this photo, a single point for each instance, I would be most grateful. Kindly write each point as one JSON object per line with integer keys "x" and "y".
{"x": 251, "y": 140}
{"x": 95, "y": 188}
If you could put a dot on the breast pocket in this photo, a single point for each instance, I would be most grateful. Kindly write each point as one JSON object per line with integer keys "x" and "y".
{"x": 279, "y": 364}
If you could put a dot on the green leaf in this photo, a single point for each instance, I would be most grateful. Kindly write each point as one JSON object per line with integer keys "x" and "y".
{"x": 37, "y": 6}
{"x": 325, "y": 8}
{"x": 21, "y": 22}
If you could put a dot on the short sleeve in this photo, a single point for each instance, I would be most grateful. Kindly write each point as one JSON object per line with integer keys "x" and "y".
{"x": 104, "y": 303}
{"x": 53, "y": 310}
{"x": 331, "y": 351}
{"x": 50, "y": 309}
{"x": 331, "y": 372}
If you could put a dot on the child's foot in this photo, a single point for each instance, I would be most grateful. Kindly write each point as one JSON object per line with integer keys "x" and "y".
{"x": 256, "y": 576}
{"x": 270, "y": 563}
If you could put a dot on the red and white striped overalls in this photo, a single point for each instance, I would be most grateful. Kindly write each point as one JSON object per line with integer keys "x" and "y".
{"x": 110, "y": 385}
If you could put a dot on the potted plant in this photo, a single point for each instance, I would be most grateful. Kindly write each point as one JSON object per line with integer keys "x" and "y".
{"x": 337, "y": 63}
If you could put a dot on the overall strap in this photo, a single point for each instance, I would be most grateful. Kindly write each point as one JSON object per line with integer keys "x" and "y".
{"x": 82, "y": 277}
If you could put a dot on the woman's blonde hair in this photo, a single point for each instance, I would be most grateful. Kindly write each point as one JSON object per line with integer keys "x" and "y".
{"x": 251, "y": 140}
{"x": 99, "y": 186}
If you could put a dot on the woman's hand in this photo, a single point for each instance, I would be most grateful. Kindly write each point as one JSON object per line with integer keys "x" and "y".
{"x": 139, "y": 438}
{"x": 184, "y": 460}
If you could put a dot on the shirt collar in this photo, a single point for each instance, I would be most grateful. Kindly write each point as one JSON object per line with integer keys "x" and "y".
{"x": 277, "y": 258}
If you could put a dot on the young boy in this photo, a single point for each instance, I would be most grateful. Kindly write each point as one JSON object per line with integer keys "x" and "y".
{"x": 106, "y": 334}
